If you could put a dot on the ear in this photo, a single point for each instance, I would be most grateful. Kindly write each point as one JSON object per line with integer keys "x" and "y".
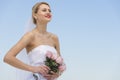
{"x": 34, "y": 15}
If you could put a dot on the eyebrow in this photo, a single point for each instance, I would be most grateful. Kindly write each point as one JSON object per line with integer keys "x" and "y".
{"x": 46, "y": 8}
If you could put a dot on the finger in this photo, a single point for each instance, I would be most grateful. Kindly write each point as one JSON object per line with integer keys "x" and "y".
{"x": 47, "y": 67}
{"x": 52, "y": 72}
{"x": 44, "y": 69}
{"x": 42, "y": 72}
{"x": 48, "y": 78}
{"x": 47, "y": 75}
{"x": 55, "y": 74}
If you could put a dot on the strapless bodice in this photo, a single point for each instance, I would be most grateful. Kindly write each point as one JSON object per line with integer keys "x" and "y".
{"x": 37, "y": 55}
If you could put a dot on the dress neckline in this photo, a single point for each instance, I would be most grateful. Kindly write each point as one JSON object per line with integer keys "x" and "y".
{"x": 40, "y": 46}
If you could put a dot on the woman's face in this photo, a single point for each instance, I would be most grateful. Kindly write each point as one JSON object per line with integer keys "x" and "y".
{"x": 44, "y": 13}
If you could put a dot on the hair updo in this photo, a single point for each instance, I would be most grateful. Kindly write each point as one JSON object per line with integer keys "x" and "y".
{"x": 36, "y": 8}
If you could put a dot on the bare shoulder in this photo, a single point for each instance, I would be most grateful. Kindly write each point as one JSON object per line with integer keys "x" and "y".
{"x": 27, "y": 37}
{"x": 54, "y": 36}
{"x": 56, "y": 42}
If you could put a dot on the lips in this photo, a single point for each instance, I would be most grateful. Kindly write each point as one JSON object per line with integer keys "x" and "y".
{"x": 48, "y": 16}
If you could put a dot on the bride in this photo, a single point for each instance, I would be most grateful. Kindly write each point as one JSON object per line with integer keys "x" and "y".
{"x": 36, "y": 42}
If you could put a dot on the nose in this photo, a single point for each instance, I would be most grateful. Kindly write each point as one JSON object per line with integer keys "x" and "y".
{"x": 48, "y": 11}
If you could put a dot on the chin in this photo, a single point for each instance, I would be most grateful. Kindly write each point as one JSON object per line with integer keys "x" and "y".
{"x": 48, "y": 20}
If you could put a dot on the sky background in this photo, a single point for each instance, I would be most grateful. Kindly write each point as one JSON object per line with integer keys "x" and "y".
{"x": 88, "y": 30}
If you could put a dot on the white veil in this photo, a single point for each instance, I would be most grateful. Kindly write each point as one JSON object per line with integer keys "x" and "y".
{"x": 22, "y": 74}
{"x": 30, "y": 25}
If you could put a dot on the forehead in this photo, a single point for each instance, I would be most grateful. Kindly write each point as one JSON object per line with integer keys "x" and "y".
{"x": 42, "y": 6}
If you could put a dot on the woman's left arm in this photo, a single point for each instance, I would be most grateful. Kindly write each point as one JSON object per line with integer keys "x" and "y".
{"x": 57, "y": 45}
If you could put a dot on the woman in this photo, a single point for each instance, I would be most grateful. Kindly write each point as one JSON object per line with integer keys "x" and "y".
{"x": 37, "y": 42}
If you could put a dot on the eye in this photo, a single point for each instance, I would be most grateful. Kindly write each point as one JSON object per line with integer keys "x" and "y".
{"x": 49, "y": 10}
{"x": 44, "y": 10}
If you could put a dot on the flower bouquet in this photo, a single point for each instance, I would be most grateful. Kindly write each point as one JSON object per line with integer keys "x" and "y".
{"x": 55, "y": 63}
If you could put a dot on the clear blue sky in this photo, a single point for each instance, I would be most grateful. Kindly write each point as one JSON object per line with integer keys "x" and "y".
{"x": 89, "y": 33}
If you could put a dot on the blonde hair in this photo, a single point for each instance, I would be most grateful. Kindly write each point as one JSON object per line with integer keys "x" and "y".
{"x": 36, "y": 8}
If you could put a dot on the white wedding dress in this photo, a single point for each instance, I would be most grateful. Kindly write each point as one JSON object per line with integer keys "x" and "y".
{"x": 36, "y": 58}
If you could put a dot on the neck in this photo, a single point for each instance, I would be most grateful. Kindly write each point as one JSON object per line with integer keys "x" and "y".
{"x": 41, "y": 28}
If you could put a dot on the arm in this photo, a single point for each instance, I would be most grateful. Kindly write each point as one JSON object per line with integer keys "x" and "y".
{"x": 63, "y": 66}
{"x": 57, "y": 45}
{"x": 10, "y": 57}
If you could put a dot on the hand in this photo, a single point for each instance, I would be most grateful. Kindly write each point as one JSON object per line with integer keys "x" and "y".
{"x": 42, "y": 69}
{"x": 55, "y": 75}
{"x": 52, "y": 76}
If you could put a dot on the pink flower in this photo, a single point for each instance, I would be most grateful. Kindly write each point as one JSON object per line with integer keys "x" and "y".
{"x": 54, "y": 56}
{"x": 54, "y": 62}
{"x": 49, "y": 54}
{"x": 59, "y": 60}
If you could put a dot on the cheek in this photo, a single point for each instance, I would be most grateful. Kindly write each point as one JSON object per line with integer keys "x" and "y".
{"x": 40, "y": 16}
